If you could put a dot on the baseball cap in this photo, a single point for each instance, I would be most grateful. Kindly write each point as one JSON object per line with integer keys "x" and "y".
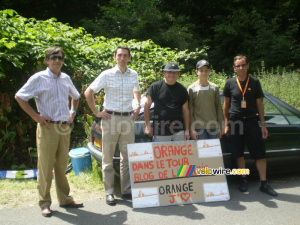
{"x": 171, "y": 67}
{"x": 202, "y": 63}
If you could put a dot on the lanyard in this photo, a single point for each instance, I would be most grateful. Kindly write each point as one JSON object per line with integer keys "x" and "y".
{"x": 243, "y": 92}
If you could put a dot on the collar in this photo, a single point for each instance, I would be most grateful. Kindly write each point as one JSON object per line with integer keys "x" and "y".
{"x": 244, "y": 79}
{"x": 52, "y": 74}
{"x": 202, "y": 84}
{"x": 117, "y": 70}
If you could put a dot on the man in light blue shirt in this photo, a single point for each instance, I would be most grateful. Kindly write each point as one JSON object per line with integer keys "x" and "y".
{"x": 51, "y": 90}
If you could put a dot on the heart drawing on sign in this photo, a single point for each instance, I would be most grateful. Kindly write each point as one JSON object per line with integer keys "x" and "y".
{"x": 185, "y": 196}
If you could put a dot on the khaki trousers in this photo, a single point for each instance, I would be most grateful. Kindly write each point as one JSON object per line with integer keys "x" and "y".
{"x": 53, "y": 148}
{"x": 118, "y": 129}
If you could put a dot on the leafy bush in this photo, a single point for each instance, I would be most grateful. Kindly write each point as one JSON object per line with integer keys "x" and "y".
{"x": 22, "y": 45}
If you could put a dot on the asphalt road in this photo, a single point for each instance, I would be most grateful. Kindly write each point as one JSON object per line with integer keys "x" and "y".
{"x": 253, "y": 207}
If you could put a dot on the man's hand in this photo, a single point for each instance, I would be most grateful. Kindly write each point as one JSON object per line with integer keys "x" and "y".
{"x": 149, "y": 131}
{"x": 194, "y": 135}
{"x": 136, "y": 113}
{"x": 186, "y": 135}
{"x": 41, "y": 120}
{"x": 71, "y": 118}
{"x": 102, "y": 114}
{"x": 220, "y": 133}
{"x": 264, "y": 131}
{"x": 227, "y": 130}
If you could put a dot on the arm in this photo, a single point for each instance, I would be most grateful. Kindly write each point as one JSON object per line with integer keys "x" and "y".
{"x": 74, "y": 106}
{"x": 261, "y": 114}
{"x": 193, "y": 133}
{"x": 31, "y": 112}
{"x": 89, "y": 95}
{"x": 186, "y": 119}
{"x": 137, "y": 97}
{"x": 219, "y": 112}
{"x": 226, "y": 115}
{"x": 148, "y": 128}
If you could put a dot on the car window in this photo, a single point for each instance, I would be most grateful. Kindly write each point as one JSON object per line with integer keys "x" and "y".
{"x": 272, "y": 114}
{"x": 292, "y": 118}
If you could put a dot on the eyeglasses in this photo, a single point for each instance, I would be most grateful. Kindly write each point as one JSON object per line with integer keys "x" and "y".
{"x": 240, "y": 66}
{"x": 60, "y": 58}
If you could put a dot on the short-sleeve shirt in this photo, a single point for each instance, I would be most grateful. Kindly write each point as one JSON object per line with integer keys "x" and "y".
{"x": 168, "y": 101}
{"x": 51, "y": 94}
{"x": 253, "y": 92}
{"x": 118, "y": 88}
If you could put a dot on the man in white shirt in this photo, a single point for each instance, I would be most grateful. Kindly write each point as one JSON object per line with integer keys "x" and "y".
{"x": 120, "y": 84}
{"x": 51, "y": 89}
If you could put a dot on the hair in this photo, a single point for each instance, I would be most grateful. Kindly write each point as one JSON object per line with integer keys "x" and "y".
{"x": 54, "y": 50}
{"x": 238, "y": 57}
{"x": 122, "y": 47}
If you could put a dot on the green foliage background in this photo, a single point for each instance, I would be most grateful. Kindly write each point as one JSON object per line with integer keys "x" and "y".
{"x": 22, "y": 45}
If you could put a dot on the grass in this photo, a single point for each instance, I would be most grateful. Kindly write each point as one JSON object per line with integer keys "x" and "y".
{"x": 284, "y": 85}
{"x": 89, "y": 180}
{"x": 18, "y": 193}
{"x": 15, "y": 192}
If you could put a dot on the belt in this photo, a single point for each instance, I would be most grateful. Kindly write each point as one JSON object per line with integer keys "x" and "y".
{"x": 58, "y": 122}
{"x": 119, "y": 113}
{"x": 249, "y": 117}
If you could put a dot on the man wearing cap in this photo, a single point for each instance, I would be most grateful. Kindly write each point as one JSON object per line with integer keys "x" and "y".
{"x": 51, "y": 89}
{"x": 205, "y": 105}
{"x": 243, "y": 109}
{"x": 171, "y": 112}
{"x": 121, "y": 85}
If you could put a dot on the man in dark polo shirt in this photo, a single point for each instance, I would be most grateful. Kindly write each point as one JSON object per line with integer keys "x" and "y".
{"x": 171, "y": 110}
{"x": 243, "y": 101}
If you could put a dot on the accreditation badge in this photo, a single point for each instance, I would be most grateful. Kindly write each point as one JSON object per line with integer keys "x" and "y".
{"x": 243, "y": 104}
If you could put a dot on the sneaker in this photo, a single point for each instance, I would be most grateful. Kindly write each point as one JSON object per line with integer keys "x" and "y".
{"x": 267, "y": 189}
{"x": 243, "y": 187}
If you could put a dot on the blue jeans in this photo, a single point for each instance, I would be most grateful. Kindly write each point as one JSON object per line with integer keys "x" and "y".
{"x": 207, "y": 133}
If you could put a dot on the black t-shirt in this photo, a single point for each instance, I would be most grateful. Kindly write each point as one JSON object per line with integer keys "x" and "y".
{"x": 253, "y": 92}
{"x": 168, "y": 101}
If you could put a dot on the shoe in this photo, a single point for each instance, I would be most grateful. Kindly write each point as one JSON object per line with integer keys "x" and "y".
{"x": 110, "y": 200}
{"x": 243, "y": 187}
{"x": 72, "y": 205}
{"x": 267, "y": 189}
{"x": 46, "y": 211}
{"x": 126, "y": 196}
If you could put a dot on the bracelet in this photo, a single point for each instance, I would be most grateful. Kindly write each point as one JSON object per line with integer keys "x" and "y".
{"x": 73, "y": 111}
{"x": 139, "y": 106}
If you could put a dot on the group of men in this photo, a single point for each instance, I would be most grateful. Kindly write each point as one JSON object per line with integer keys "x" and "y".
{"x": 179, "y": 114}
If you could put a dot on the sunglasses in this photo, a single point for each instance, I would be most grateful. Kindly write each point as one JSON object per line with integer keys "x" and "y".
{"x": 240, "y": 66}
{"x": 60, "y": 58}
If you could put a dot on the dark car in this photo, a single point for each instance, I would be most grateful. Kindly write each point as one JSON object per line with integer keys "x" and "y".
{"x": 282, "y": 144}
